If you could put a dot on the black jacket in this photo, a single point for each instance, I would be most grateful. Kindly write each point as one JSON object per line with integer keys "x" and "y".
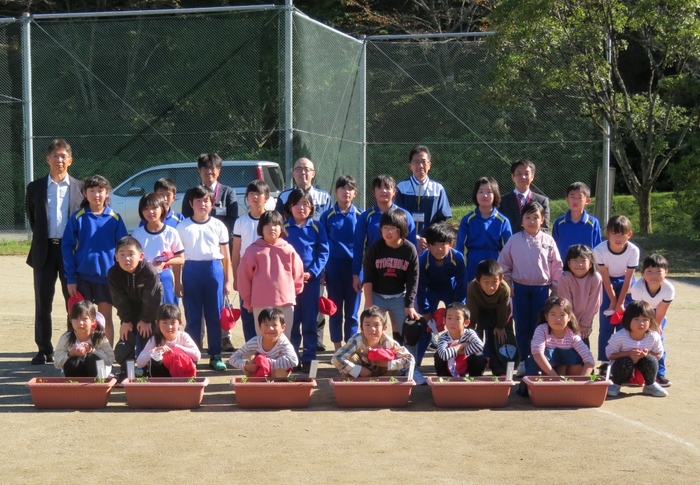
{"x": 137, "y": 295}
{"x": 509, "y": 207}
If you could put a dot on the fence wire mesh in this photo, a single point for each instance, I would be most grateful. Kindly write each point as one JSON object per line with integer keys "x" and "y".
{"x": 434, "y": 93}
{"x": 134, "y": 92}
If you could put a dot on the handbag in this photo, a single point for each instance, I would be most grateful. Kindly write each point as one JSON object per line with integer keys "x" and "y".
{"x": 229, "y": 315}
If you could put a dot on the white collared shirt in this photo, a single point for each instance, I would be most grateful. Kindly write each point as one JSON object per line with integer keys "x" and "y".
{"x": 57, "y": 205}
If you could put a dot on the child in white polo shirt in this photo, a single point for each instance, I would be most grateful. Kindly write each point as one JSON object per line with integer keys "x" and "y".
{"x": 205, "y": 280}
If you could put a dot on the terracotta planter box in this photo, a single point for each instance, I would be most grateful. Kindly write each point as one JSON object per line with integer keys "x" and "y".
{"x": 165, "y": 393}
{"x": 261, "y": 393}
{"x": 482, "y": 392}
{"x": 70, "y": 392}
{"x": 579, "y": 392}
{"x": 372, "y": 392}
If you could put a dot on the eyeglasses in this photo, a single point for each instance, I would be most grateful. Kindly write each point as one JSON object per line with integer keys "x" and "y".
{"x": 303, "y": 170}
{"x": 390, "y": 229}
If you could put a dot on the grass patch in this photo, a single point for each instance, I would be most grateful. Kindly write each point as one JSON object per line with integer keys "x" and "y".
{"x": 14, "y": 248}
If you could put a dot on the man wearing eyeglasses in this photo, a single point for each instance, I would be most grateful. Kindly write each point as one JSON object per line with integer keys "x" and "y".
{"x": 303, "y": 175}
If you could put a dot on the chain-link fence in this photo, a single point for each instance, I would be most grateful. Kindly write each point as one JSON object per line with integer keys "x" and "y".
{"x": 137, "y": 91}
{"x": 434, "y": 93}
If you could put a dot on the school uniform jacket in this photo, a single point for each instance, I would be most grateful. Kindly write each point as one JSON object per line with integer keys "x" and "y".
{"x": 340, "y": 229}
{"x": 509, "y": 207}
{"x": 37, "y": 207}
{"x": 428, "y": 198}
{"x": 311, "y": 244}
{"x": 479, "y": 239}
{"x": 447, "y": 280}
{"x": 566, "y": 232}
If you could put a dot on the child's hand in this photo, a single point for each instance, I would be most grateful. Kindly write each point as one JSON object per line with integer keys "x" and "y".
{"x": 158, "y": 265}
{"x": 412, "y": 313}
{"x": 228, "y": 288}
{"x": 249, "y": 308}
{"x": 585, "y": 332}
{"x": 356, "y": 283}
{"x": 422, "y": 244}
{"x": 250, "y": 367}
{"x": 124, "y": 330}
{"x": 323, "y": 278}
{"x": 163, "y": 349}
{"x": 144, "y": 329}
{"x": 307, "y": 275}
{"x": 179, "y": 292}
{"x": 500, "y": 334}
{"x": 72, "y": 289}
{"x": 620, "y": 305}
{"x": 365, "y": 372}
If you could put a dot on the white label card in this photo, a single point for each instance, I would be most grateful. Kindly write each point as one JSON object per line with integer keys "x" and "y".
{"x": 130, "y": 370}
{"x": 509, "y": 370}
{"x": 313, "y": 369}
{"x": 418, "y": 217}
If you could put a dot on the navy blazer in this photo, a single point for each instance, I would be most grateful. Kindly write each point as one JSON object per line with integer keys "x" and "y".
{"x": 509, "y": 207}
{"x": 37, "y": 206}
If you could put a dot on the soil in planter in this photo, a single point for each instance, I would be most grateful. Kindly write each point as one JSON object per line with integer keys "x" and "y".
{"x": 70, "y": 393}
{"x": 372, "y": 392}
{"x": 165, "y": 392}
{"x": 262, "y": 393}
{"x": 566, "y": 391}
{"x": 481, "y": 392}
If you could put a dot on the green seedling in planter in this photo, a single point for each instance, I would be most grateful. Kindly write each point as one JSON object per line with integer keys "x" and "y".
{"x": 244, "y": 379}
{"x": 592, "y": 377}
{"x": 494, "y": 378}
{"x": 192, "y": 379}
{"x": 267, "y": 380}
{"x": 565, "y": 379}
{"x": 440, "y": 379}
{"x": 291, "y": 379}
{"x": 468, "y": 379}
{"x": 142, "y": 379}
{"x": 99, "y": 381}
{"x": 348, "y": 380}
{"x": 539, "y": 379}
{"x": 393, "y": 379}
{"x": 373, "y": 380}
{"x": 72, "y": 382}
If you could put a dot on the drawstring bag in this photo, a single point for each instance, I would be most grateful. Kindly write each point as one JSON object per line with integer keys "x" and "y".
{"x": 264, "y": 367}
{"x": 326, "y": 306}
{"x": 637, "y": 377}
{"x": 229, "y": 315}
{"x": 74, "y": 299}
{"x": 377, "y": 355}
{"x": 457, "y": 365}
{"x": 179, "y": 364}
{"x": 616, "y": 318}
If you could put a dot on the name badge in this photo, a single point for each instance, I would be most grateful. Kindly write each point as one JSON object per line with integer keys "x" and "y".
{"x": 219, "y": 211}
{"x": 418, "y": 217}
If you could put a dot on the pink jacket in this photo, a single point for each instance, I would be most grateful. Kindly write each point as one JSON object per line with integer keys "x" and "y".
{"x": 270, "y": 275}
{"x": 531, "y": 261}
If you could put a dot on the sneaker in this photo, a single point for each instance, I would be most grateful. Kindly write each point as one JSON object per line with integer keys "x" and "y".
{"x": 320, "y": 348}
{"x": 613, "y": 390}
{"x": 216, "y": 364}
{"x": 603, "y": 370}
{"x": 655, "y": 390}
{"x": 226, "y": 345}
{"x": 418, "y": 377}
{"x": 432, "y": 346}
{"x": 663, "y": 381}
{"x": 521, "y": 370}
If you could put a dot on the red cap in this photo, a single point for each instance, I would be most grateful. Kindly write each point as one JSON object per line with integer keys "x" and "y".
{"x": 616, "y": 318}
{"x": 326, "y": 306}
{"x": 74, "y": 299}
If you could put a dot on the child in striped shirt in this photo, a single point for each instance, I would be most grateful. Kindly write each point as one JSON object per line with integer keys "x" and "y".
{"x": 459, "y": 349}
{"x": 636, "y": 347}
{"x": 271, "y": 345}
{"x": 557, "y": 347}
{"x": 371, "y": 352}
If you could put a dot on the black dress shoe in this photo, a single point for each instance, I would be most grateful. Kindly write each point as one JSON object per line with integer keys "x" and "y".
{"x": 305, "y": 367}
{"x": 49, "y": 359}
{"x": 40, "y": 359}
{"x": 320, "y": 348}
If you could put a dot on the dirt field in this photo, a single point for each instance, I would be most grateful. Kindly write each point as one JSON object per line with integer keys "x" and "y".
{"x": 631, "y": 438}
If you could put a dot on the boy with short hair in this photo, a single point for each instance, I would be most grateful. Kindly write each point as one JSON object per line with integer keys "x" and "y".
{"x": 659, "y": 293}
{"x": 577, "y": 226}
{"x": 440, "y": 277}
{"x": 617, "y": 259}
{"x": 488, "y": 301}
{"x": 270, "y": 353}
{"x": 205, "y": 280}
{"x": 371, "y": 352}
{"x": 367, "y": 230}
{"x": 166, "y": 188}
{"x": 522, "y": 172}
{"x": 137, "y": 293}
{"x": 424, "y": 198}
{"x": 460, "y": 350}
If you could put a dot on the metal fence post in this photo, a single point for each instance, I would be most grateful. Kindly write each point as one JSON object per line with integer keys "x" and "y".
{"x": 363, "y": 120}
{"x": 27, "y": 102}
{"x": 288, "y": 90}
{"x": 606, "y": 149}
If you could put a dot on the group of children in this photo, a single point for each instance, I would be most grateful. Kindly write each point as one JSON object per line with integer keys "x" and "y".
{"x": 496, "y": 261}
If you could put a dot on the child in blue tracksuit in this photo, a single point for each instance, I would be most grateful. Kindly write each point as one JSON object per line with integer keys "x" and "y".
{"x": 576, "y": 226}
{"x": 441, "y": 277}
{"x": 88, "y": 246}
{"x": 484, "y": 231}
{"x": 339, "y": 223}
{"x": 367, "y": 230}
{"x": 309, "y": 240}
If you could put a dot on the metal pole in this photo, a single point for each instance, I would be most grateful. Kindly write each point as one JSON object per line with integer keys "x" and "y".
{"x": 446, "y": 35}
{"x": 160, "y": 11}
{"x": 27, "y": 100}
{"x": 288, "y": 89}
{"x": 363, "y": 120}
{"x": 606, "y": 150}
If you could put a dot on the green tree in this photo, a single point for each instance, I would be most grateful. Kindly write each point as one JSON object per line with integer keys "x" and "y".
{"x": 545, "y": 47}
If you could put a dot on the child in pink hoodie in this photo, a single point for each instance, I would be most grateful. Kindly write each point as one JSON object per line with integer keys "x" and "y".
{"x": 271, "y": 272}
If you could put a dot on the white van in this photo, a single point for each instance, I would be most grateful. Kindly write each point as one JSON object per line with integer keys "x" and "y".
{"x": 237, "y": 174}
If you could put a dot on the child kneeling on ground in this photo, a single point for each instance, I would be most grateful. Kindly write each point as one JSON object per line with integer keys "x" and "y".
{"x": 371, "y": 352}
{"x": 269, "y": 354}
{"x": 170, "y": 352}
{"x": 459, "y": 349}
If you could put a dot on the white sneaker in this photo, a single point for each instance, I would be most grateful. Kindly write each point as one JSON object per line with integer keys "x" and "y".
{"x": 655, "y": 390}
{"x": 613, "y": 390}
{"x": 418, "y": 377}
{"x": 521, "y": 370}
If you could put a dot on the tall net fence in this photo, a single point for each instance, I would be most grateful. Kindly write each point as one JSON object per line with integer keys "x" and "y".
{"x": 328, "y": 101}
{"x": 434, "y": 93}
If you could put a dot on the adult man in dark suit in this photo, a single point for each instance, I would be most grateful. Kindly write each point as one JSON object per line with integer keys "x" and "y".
{"x": 50, "y": 201}
{"x": 225, "y": 209}
{"x": 523, "y": 173}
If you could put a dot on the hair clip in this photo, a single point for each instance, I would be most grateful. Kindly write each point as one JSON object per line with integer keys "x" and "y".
{"x": 562, "y": 302}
